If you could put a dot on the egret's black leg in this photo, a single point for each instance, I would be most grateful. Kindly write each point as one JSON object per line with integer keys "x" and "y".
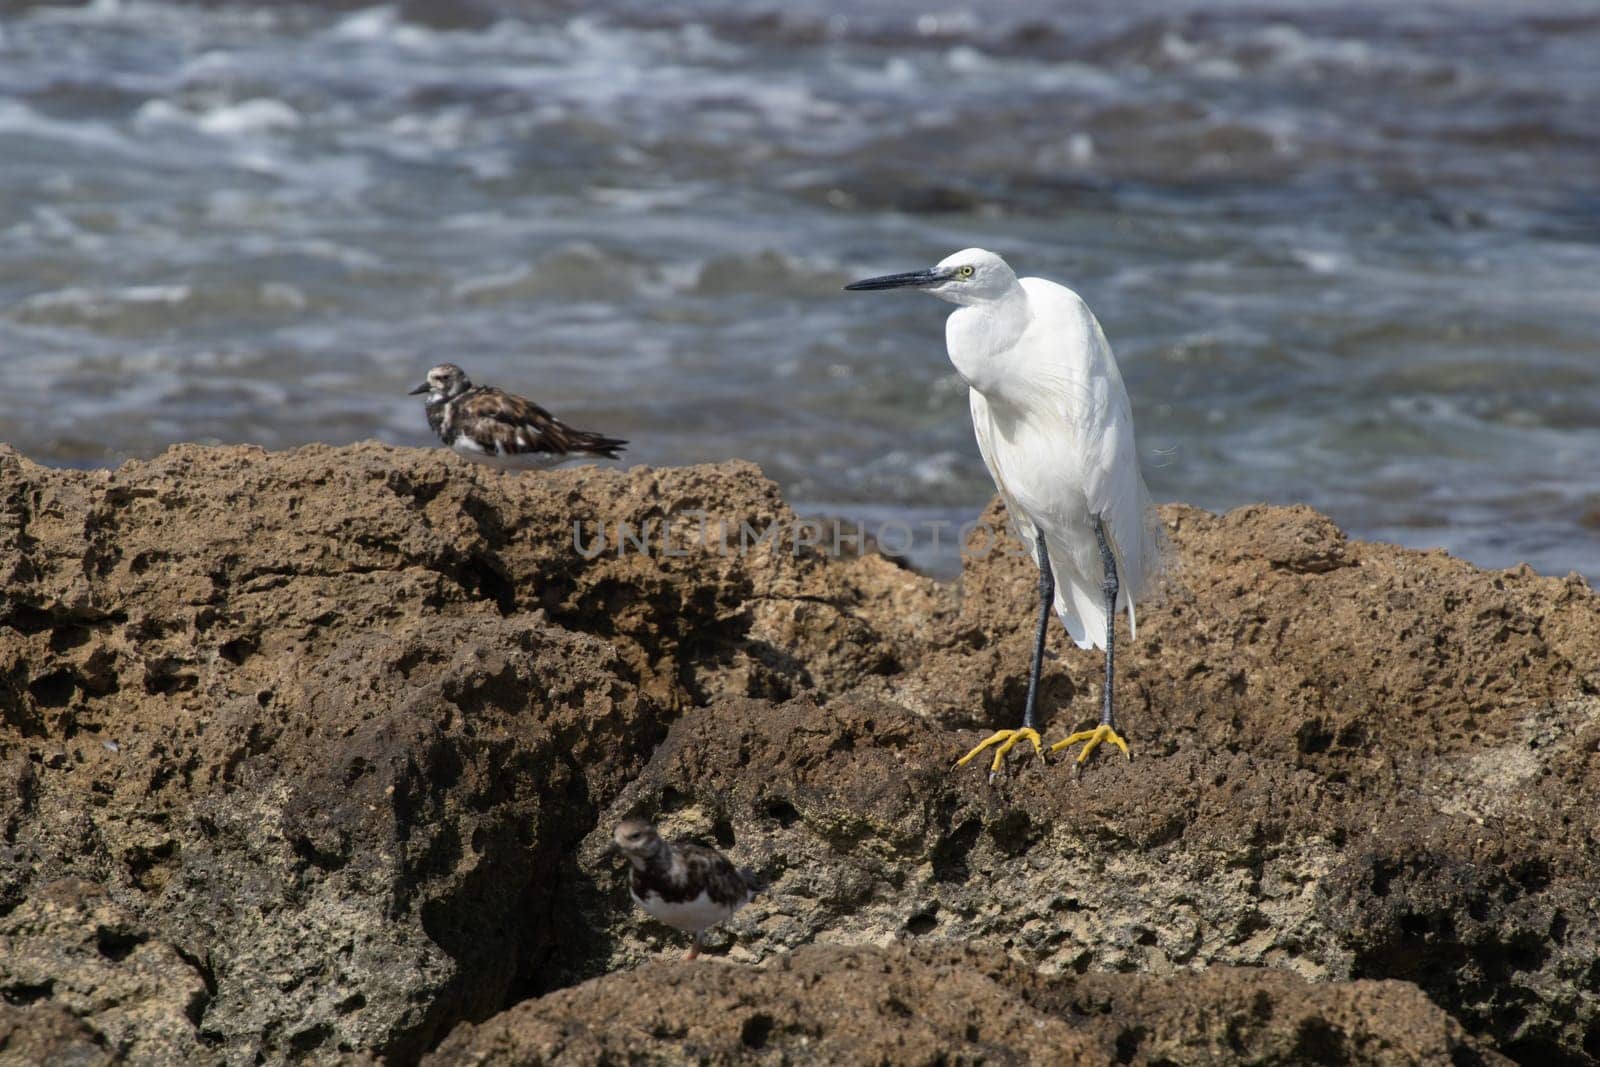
{"x": 1047, "y": 600}
{"x": 1107, "y": 730}
{"x": 1109, "y": 586}
{"x": 1004, "y": 741}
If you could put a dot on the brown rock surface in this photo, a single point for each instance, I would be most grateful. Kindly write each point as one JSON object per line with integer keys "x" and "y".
{"x": 829, "y": 1004}
{"x": 49, "y": 1033}
{"x": 336, "y": 737}
{"x": 816, "y": 1005}
{"x": 69, "y": 944}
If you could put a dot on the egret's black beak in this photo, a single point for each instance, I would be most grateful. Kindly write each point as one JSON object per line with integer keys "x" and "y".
{"x": 419, "y": 390}
{"x": 916, "y": 279}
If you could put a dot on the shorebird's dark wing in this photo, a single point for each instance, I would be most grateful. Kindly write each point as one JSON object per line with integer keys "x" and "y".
{"x": 724, "y": 883}
{"x": 508, "y": 423}
{"x": 512, "y": 424}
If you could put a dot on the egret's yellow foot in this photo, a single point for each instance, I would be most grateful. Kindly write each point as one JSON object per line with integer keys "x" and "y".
{"x": 1091, "y": 740}
{"x": 1007, "y": 740}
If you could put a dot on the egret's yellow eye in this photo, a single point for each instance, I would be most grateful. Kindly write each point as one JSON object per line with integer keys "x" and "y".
{"x": 964, "y": 272}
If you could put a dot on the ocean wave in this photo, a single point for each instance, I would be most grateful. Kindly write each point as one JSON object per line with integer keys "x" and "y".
{"x": 1274, "y": 208}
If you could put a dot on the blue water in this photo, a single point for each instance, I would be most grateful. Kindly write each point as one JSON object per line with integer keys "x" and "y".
{"x": 1347, "y": 254}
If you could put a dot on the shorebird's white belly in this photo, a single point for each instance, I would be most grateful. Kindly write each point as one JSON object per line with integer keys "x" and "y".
{"x": 692, "y": 915}
{"x": 470, "y": 448}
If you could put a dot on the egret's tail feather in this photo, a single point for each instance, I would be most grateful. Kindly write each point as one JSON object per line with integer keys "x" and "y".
{"x": 1142, "y": 564}
{"x": 1081, "y": 610}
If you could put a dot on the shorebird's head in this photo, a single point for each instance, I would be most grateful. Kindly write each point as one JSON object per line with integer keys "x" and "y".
{"x": 638, "y": 840}
{"x": 970, "y": 276}
{"x": 445, "y": 382}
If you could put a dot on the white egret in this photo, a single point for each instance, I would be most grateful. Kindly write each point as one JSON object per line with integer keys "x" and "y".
{"x": 1055, "y": 429}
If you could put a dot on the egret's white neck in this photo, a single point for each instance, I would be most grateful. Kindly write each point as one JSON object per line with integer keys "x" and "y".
{"x": 981, "y": 338}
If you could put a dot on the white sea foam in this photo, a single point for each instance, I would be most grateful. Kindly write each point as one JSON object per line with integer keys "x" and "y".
{"x": 491, "y": 284}
{"x": 18, "y": 119}
{"x": 284, "y": 296}
{"x": 1320, "y": 261}
{"x": 259, "y": 115}
{"x": 383, "y": 25}
{"x": 98, "y": 303}
{"x": 153, "y": 113}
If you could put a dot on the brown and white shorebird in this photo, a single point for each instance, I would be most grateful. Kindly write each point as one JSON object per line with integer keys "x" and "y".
{"x": 687, "y": 886}
{"x": 499, "y": 429}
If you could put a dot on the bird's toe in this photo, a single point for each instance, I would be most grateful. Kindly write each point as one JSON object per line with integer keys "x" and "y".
{"x": 1091, "y": 740}
{"x": 1003, "y": 742}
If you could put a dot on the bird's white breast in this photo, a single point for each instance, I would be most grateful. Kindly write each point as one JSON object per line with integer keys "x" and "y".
{"x": 692, "y": 915}
{"x": 471, "y": 448}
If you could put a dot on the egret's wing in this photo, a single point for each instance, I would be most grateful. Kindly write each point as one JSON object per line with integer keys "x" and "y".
{"x": 1115, "y": 487}
{"x": 1078, "y": 371}
{"x": 983, "y": 430}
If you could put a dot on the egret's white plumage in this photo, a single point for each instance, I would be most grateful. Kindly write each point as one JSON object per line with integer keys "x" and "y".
{"x": 1055, "y": 428}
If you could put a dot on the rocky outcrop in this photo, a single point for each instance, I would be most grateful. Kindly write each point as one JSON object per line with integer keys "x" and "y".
{"x": 313, "y": 755}
{"x": 922, "y": 1004}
